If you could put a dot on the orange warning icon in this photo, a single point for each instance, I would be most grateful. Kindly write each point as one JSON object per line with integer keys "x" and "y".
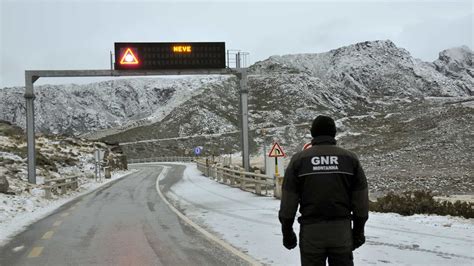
{"x": 129, "y": 58}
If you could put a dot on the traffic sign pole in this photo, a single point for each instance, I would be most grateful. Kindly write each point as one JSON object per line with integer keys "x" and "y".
{"x": 264, "y": 150}
{"x": 276, "y": 152}
{"x": 276, "y": 166}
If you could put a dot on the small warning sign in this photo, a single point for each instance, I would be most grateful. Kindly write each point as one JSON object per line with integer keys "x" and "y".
{"x": 276, "y": 151}
{"x": 129, "y": 58}
{"x": 307, "y": 146}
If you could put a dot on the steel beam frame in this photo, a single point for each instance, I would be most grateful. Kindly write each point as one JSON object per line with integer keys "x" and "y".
{"x": 33, "y": 75}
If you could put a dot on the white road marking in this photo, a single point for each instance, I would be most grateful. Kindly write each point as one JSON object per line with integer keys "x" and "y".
{"x": 35, "y": 252}
{"x": 57, "y": 223}
{"x": 19, "y": 248}
{"x": 210, "y": 236}
{"x": 48, "y": 235}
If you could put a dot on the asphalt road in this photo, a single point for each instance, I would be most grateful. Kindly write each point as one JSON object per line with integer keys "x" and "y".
{"x": 123, "y": 223}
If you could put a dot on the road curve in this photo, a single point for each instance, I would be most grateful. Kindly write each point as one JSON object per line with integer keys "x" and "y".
{"x": 123, "y": 223}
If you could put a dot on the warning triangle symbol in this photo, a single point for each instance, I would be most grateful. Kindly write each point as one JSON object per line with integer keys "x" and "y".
{"x": 276, "y": 151}
{"x": 129, "y": 58}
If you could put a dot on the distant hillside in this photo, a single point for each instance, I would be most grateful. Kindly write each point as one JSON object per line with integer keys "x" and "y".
{"x": 115, "y": 105}
{"x": 293, "y": 89}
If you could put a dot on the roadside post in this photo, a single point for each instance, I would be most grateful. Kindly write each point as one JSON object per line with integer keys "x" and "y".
{"x": 277, "y": 152}
{"x": 264, "y": 133}
{"x": 107, "y": 173}
{"x": 99, "y": 156}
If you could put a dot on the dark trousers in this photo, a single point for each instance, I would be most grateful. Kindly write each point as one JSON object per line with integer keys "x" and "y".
{"x": 327, "y": 240}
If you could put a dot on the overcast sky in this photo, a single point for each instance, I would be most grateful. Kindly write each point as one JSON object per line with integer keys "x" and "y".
{"x": 79, "y": 34}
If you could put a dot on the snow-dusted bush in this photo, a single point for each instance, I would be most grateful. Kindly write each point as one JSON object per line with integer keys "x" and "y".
{"x": 421, "y": 202}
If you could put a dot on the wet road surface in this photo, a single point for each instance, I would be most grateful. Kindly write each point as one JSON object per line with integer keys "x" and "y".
{"x": 123, "y": 223}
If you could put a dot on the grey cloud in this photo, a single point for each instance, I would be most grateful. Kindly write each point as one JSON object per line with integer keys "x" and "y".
{"x": 423, "y": 38}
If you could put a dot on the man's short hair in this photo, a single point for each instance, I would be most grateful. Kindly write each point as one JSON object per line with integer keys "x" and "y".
{"x": 323, "y": 126}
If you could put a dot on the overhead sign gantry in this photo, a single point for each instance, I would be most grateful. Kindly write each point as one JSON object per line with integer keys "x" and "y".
{"x": 149, "y": 59}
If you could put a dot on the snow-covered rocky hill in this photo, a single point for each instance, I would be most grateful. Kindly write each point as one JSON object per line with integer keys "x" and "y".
{"x": 379, "y": 68}
{"x": 399, "y": 113}
{"x": 116, "y": 104}
{"x": 56, "y": 157}
{"x": 288, "y": 91}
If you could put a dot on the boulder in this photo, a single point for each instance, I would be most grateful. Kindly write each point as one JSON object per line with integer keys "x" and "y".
{"x": 3, "y": 184}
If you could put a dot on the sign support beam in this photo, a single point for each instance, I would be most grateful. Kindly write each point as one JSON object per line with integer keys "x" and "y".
{"x": 32, "y": 75}
{"x": 244, "y": 119}
{"x": 30, "y": 127}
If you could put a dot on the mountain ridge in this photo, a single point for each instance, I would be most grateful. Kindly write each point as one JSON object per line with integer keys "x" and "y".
{"x": 341, "y": 80}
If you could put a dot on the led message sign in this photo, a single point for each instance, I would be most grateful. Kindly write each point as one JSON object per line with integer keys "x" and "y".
{"x": 149, "y": 56}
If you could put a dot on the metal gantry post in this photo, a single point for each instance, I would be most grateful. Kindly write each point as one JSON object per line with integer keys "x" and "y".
{"x": 30, "y": 127}
{"x": 244, "y": 114}
{"x": 264, "y": 149}
{"x": 111, "y": 61}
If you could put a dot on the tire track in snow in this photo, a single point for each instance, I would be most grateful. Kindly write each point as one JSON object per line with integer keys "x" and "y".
{"x": 414, "y": 248}
{"x": 418, "y": 233}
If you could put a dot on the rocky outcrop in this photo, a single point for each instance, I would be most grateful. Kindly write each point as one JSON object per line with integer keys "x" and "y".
{"x": 457, "y": 63}
{"x": 3, "y": 184}
{"x": 377, "y": 68}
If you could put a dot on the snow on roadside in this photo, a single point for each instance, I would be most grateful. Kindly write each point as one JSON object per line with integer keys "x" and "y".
{"x": 19, "y": 211}
{"x": 250, "y": 223}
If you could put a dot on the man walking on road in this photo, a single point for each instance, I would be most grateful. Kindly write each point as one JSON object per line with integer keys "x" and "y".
{"x": 330, "y": 187}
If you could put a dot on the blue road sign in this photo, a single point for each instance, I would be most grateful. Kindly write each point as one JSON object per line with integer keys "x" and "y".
{"x": 197, "y": 150}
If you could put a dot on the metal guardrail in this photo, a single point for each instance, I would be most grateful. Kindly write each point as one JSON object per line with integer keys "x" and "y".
{"x": 59, "y": 186}
{"x": 237, "y": 177}
{"x": 162, "y": 159}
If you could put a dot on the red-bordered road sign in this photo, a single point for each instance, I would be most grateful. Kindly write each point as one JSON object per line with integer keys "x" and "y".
{"x": 276, "y": 151}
